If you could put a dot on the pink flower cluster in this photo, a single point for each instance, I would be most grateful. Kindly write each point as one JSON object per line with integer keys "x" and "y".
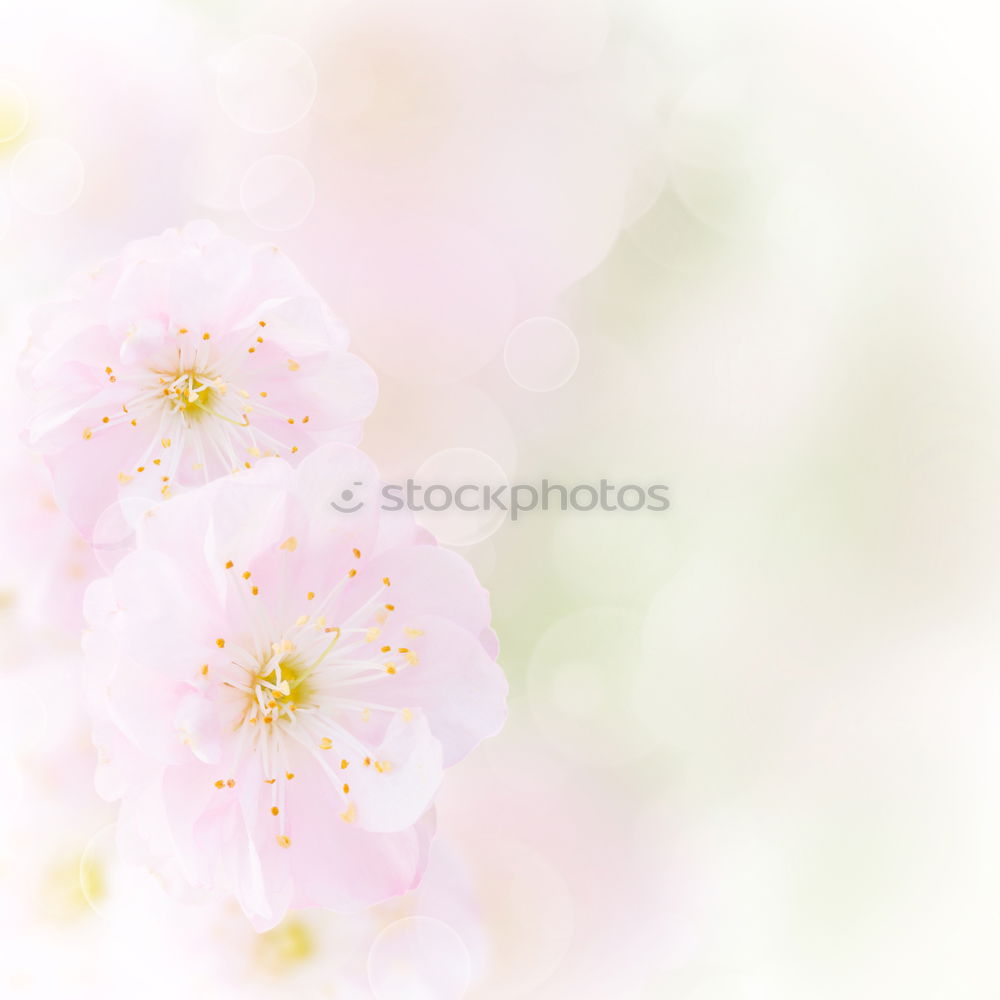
{"x": 276, "y": 686}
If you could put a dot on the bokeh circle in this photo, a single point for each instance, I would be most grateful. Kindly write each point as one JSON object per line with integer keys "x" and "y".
{"x": 541, "y": 354}
{"x": 419, "y": 958}
{"x": 466, "y": 476}
{"x": 46, "y": 176}
{"x": 266, "y": 84}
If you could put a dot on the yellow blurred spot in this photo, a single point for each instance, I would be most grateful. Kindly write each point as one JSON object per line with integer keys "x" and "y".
{"x": 288, "y": 944}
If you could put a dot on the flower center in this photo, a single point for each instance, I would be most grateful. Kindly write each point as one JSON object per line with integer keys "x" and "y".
{"x": 194, "y": 394}
{"x": 197, "y": 414}
{"x": 282, "y": 686}
{"x": 302, "y": 692}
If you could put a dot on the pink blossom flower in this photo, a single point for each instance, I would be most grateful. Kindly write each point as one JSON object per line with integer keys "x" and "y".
{"x": 45, "y": 563}
{"x": 279, "y": 684}
{"x": 187, "y": 357}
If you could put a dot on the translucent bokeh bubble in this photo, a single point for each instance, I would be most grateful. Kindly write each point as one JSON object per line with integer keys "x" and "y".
{"x": 419, "y": 958}
{"x": 277, "y": 193}
{"x": 4, "y": 214}
{"x": 46, "y": 176}
{"x": 582, "y": 677}
{"x": 214, "y": 166}
{"x": 266, "y": 83}
{"x": 541, "y": 354}
{"x": 454, "y": 478}
{"x": 13, "y": 110}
